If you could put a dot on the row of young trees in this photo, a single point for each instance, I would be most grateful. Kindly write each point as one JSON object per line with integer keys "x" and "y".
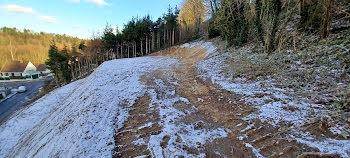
{"x": 239, "y": 21}
{"x": 71, "y": 64}
{"x": 139, "y": 37}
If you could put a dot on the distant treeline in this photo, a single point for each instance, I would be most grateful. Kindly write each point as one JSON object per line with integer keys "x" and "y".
{"x": 27, "y": 45}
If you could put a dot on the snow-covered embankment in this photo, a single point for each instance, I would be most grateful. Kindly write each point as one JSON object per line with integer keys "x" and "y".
{"x": 79, "y": 119}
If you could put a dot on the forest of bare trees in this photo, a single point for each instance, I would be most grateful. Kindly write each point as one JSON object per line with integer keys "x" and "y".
{"x": 191, "y": 17}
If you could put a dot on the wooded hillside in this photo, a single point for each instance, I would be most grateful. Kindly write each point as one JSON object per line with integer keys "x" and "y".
{"x": 27, "y": 45}
{"x": 275, "y": 23}
{"x": 302, "y": 44}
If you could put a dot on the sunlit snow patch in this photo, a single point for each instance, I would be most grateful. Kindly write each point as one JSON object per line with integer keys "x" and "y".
{"x": 79, "y": 119}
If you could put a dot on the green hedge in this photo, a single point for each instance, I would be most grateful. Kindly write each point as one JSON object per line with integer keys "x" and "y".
{"x": 17, "y": 77}
{"x": 12, "y": 77}
{"x": 4, "y": 78}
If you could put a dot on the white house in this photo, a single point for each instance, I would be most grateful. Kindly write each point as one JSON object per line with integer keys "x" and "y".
{"x": 16, "y": 69}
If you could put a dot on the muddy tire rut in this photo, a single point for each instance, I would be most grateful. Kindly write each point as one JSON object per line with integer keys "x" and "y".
{"x": 208, "y": 107}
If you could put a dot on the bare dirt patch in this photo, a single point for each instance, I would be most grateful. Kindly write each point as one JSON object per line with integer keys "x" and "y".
{"x": 136, "y": 127}
{"x": 226, "y": 109}
{"x": 205, "y": 106}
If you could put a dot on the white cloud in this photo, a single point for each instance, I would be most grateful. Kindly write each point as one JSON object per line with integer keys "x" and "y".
{"x": 98, "y": 2}
{"x": 18, "y": 9}
{"x": 48, "y": 19}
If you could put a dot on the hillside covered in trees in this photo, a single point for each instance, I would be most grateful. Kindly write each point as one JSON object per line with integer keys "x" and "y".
{"x": 27, "y": 45}
{"x": 303, "y": 44}
{"x": 275, "y": 23}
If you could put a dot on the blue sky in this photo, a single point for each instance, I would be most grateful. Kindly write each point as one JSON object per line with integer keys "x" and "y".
{"x": 78, "y": 18}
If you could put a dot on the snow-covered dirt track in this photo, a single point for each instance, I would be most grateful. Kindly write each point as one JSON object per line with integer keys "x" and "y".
{"x": 179, "y": 103}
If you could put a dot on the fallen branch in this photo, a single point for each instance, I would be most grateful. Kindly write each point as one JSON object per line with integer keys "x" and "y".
{"x": 336, "y": 8}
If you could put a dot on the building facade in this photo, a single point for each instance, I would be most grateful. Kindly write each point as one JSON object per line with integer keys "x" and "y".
{"x": 19, "y": 70}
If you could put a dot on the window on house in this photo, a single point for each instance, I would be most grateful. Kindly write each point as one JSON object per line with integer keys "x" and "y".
{"x": 6, "y": 74}
{"x": 13, "y": 74}
{"x": 1, "y": 74}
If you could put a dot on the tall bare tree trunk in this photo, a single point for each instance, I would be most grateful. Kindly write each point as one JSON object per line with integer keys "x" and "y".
{"x": 174, "y": 36}
{"x": 149, "y": 44}
{"x": 73, "y": 76}
{"x": 169, "y": 38}
{"x": 164, "y": 37}
{"x": 121, "y": 51}
{"x": 117, "y": 52}
{"x": 87, "y": 65}
{"x": 180, "y": 36}
{"x": 146, "y": 44}
{"x": 84, "y": 66}
{"x": 158, "y": 40}
{"x": 326, "y": 19}
{"x": 91, "y": 63}
{"x": 128, "y": 50}
{"x": 74, "y": 70}
{"x": 96, "y": 60}
{"x": 134, "y": 49}
{"x": 141, "y": 47}
{"x": 152, "y": 45}
{"x": 79, "y": 66}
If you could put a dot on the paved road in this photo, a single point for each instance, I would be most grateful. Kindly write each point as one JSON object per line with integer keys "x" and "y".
{"x": 19, "y": 100}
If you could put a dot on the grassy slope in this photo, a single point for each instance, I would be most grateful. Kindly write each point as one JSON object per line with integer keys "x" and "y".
{"x": 318, "y": 69}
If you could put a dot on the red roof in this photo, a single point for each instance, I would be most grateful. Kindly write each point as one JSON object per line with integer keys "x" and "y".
{"x": 41, "y": 67}
{"x": 15, "y": 66}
